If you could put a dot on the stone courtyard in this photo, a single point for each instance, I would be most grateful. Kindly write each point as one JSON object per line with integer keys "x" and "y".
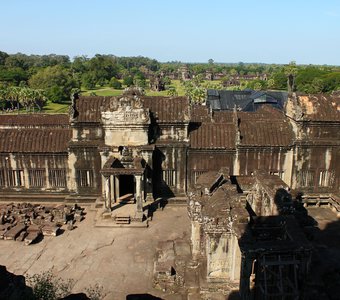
{"x": 121, "y": 260}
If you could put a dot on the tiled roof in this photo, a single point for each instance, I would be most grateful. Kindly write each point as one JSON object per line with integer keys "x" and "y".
{"x": 164, "y": 109}
{"x": 213, "y": 136}
{"x": 223, "y": 116}
{"x": 266, "y": 127}
{"x": 168, "y": 109}
{"x": 89, "y": 108}
{"x": 262, "y": 133}
{"x": 34, "y": 140}
{"x": 34, "y": 120}
{"x": 320, "y": 107}
{"x": 200, "y": 113}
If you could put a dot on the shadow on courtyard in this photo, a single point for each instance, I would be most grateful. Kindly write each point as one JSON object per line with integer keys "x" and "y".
{"x": 323, "y": 278}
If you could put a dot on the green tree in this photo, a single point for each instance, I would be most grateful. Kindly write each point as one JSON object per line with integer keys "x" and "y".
{"x": 280, "y": 80}
{"x": 79, "y": 64}
{"x": 3, "y": 96}
{"x": 270, "y": 83}
{"x": 13, "y": 75}
{"x": 19, "y": 60}
{"x": 115, "y": 83}
{"x": 3, "y": 56}
{"x": 331, "y": 82}
{"x": 56, "y": 81}
{"x": 88, "y": 80}
{"x": 195, "y": 90}
{"x": 291, "y": 71}
{"x": 258, "y": 86}
{"x": 139, "y": 80}
{"x": 128, "y": 81}
{"x": 13, "y": 95}
{"x": 172, "y": 92}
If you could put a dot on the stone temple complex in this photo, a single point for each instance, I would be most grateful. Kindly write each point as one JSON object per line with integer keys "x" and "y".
{"x": 245, "y": 168}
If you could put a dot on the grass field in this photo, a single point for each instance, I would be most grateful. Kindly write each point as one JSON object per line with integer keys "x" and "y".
{"x": 56, "y": 108}
{"x": 107, "y": 91}
{"x": 103, "y": 91}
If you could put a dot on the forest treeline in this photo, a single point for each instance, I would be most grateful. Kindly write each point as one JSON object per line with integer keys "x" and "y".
{"x": 35, "y": 79}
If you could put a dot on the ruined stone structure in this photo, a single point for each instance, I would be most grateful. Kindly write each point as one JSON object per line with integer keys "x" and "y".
{"x": 236, "y": 160}
{"x": 247, "y": 230}
{"x": 135, "y": 147}
{"x": 157, "y": 83}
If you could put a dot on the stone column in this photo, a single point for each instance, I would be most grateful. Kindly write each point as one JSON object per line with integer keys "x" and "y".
{"x": 112, "y": 183}
{"x": 196, "y": 239}
{"x": 143, "y": 188}
{"x": 139, "y": 200}
{"x": 116, "y": 188}
{"x": 108, "y": 193}
{"x": 148, "y": 184}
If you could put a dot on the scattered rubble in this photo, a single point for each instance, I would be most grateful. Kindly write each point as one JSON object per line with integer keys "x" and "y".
{"x": 28, "y": 222}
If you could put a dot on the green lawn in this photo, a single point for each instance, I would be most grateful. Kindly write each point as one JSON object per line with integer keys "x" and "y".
{"x": 107, "y": 91}
{"x": 102, "y": 91}
{"x": 53, "y": 108}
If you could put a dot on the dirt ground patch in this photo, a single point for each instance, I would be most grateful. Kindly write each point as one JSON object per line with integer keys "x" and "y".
{"x": 119, "y": 259}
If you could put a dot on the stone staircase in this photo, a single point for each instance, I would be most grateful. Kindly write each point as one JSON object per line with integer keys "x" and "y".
{"x": 122, "y": 219}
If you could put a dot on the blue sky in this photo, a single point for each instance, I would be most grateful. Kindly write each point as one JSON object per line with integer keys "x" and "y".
{"x": 276, "y": 31}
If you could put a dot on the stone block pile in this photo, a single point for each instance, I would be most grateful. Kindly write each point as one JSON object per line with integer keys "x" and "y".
{"x": 26, "y": 222}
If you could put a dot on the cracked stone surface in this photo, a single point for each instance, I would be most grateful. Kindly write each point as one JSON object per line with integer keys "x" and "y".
{"x": 119, "y": 259}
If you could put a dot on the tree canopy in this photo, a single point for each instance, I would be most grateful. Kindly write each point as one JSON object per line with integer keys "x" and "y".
{"x": 56, "y": 81}
{"x": 57, "y": 75}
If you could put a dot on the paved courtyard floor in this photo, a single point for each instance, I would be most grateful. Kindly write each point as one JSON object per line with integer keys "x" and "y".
{"x": 118, "y": 259}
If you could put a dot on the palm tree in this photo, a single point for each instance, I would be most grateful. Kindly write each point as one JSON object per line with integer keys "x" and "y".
{"x": 291, "y": 71}
{"x": 39, "y": 98}
{"x": 3, "y": 97}
{"x": 24, "y": 97}
{"x": 13, "y": 96}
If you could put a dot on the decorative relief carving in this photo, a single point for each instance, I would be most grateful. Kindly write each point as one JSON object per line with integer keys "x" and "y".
{"x": 126, "y": 110}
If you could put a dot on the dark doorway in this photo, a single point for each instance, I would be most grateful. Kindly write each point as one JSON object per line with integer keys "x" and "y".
{"x": 126, "y": 185}
{"x": 157, "y": 158}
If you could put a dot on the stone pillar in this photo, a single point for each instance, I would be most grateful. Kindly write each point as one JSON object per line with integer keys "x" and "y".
{"x": 147, "y": 184}
{"x": 236, "y": 259}
{"x": 236, "y": 163}
{"x": 72, "y": 180}
{"x": 196, "y": 239}
{"x": 112, "y": 184}
{"x": 139, "y": 200}
{"x": 116, "y": 187}
{"x": 143, "y": 188}
{"x": 108, "y": 193}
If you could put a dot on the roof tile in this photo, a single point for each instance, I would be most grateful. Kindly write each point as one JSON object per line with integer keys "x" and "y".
{"x": 34, "y": 120}
{"x": 33, "y": 140}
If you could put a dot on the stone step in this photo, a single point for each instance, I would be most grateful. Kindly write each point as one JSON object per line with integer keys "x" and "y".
{"x": 126, "y": 199}
{"x": 122, "y": 220}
